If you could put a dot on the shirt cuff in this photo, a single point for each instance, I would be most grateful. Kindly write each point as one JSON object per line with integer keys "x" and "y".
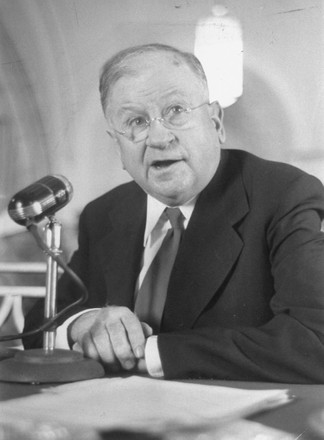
{"x": 61, "y": 340}
{"x": 152, "y": 357}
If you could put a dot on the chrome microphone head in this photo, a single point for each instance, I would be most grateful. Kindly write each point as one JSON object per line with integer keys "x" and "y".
{"x": 40, "y": 199}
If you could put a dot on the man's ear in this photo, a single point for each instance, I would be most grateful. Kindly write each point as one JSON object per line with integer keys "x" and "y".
{"x": 112, "y": 134}
{"x": 110, "y": 131}
{"x": 116, "y": 146}
{"x": 217, "y": 115}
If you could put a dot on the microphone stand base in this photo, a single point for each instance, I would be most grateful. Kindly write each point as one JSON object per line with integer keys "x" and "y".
{"x": 49, "y": 366}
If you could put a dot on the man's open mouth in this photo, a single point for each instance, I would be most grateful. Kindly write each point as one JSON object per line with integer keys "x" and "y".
{"x": 159, "y": 164}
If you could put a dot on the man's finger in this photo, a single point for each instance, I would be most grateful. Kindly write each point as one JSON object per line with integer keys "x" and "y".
{"x": 120, "y": 344}
{"x": 135, "y": 334}
{"x": 147, "y": 329}
{"x": 77, "y": 347}
{"x": 89, "y": 348}
{"x": 82, "y": 324}
{"x": 103, "y": 345}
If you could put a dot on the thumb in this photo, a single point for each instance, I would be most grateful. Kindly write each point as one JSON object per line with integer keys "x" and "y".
{"x": 147, "y": 329}
{"x": 77, "y": 347}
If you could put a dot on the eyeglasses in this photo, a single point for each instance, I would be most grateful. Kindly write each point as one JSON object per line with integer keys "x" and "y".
{"x": 135, "y": 127}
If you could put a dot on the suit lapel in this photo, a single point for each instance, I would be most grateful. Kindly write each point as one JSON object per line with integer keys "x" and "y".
{"x": 209, "y": 249}
{"x": 121, "y": 249}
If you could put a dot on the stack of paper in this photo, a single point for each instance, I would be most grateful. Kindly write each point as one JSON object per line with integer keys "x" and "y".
{"x": 141, "y": 404}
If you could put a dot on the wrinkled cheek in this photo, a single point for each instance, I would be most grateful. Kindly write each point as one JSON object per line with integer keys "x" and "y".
{"x": 132, "y": 165}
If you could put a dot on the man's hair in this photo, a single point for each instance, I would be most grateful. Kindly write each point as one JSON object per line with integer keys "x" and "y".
{"x": 116, "y": 67}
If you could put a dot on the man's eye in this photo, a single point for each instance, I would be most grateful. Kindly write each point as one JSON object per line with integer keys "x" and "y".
{"x": 137, "y": 122}
{"x": 176, "y": 109}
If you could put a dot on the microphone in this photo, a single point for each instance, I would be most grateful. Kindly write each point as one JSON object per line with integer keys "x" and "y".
{"x": 40, "y": 199}
{"x": 47, "y": 365}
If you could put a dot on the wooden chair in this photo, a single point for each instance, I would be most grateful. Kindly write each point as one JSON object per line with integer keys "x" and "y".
{"x": 13, "y": 294}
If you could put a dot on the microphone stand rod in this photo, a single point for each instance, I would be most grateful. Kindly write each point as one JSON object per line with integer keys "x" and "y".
{"x": 53, "y": 241}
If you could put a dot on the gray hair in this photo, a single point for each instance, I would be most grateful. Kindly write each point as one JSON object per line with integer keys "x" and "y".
{"x": 116, "y": 66}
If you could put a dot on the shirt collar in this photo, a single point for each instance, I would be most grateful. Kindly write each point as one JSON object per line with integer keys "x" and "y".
{"x": 155, "y": 209}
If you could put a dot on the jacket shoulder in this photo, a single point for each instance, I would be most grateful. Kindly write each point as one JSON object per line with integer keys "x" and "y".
{"x": 120, "y": 203}
{"x": 269, "y": 183}
{"x": 267, "y": 172}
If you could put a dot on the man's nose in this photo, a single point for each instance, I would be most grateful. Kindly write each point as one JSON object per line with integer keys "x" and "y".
{"x": 158, "y": 136}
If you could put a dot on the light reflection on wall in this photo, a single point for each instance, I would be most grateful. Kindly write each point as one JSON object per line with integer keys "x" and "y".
{"x": 219, "y": 47}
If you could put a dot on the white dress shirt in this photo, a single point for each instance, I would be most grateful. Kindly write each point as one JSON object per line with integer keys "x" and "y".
{"x": 157, "y": 225}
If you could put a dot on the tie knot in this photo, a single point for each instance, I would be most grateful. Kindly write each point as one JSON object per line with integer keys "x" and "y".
{"x": 176, "y": 217}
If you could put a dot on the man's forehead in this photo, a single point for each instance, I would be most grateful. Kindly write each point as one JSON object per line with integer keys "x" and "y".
{"x": 155, "y": 76}
{"x": 142, "y": 61}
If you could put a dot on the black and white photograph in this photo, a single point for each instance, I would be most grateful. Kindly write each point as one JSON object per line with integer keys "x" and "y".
{"x": 161, "y": 219}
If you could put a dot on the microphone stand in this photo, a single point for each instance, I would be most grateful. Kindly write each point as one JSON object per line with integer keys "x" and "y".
{"x": 50, "y": 365}
{"x": 53, "y": 241}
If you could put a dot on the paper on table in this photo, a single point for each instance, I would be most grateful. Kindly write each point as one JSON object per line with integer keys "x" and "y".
{"x": 140, "y": 403}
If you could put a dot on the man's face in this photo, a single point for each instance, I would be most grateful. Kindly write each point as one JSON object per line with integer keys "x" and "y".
{"x": 171, "y": 164}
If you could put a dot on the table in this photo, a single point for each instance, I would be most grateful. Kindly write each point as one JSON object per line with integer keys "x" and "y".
{"x": 291, "y": 418}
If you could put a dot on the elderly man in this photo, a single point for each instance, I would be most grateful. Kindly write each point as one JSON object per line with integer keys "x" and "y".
{"x": 211, "y": 262}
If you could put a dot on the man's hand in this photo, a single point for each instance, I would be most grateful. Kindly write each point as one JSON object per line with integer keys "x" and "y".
{"x": 112, "y": 335}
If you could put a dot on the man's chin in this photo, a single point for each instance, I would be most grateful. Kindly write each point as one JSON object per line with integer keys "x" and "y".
{"x": 174, "y": 196}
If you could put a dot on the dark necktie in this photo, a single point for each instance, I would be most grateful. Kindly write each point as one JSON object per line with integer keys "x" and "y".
{"x": 151, "y": 296}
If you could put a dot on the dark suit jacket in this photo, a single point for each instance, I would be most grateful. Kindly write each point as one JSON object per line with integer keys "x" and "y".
{"x": 246, "y": 295}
